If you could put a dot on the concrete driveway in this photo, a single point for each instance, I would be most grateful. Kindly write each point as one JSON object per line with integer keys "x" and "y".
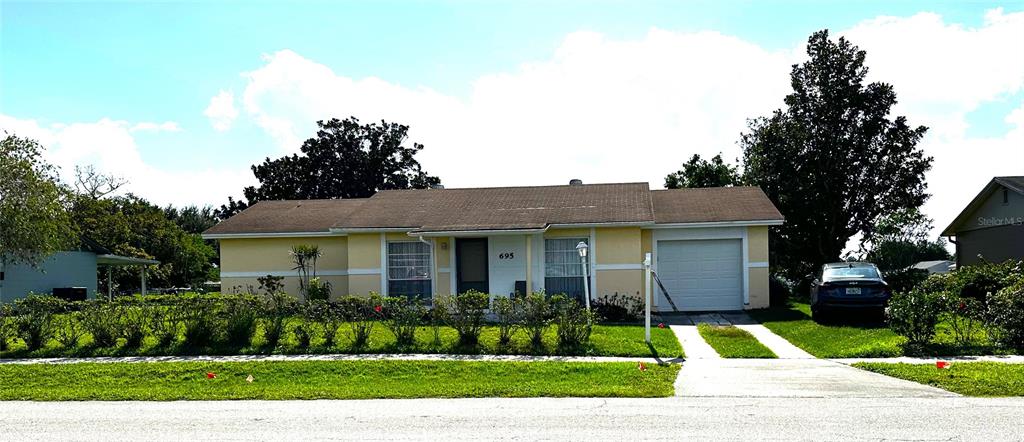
{"x": 792, "y": 378}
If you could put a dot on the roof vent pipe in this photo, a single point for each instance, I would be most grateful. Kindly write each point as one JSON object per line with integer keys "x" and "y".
{"x": 575, "y": 182}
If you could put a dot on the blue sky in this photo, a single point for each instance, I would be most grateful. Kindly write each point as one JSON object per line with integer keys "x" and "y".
{"x": 104, "y": 67}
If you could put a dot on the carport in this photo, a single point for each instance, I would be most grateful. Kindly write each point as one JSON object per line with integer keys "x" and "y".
{"x": 110, "y": 261}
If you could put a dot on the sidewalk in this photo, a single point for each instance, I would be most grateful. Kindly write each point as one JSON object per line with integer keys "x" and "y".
{"x": 337, "y": 357}
{"x": 1007, "y": 359}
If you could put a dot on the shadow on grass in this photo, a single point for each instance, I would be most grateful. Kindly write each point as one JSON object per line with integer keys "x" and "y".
{"x": 790, "y": 313}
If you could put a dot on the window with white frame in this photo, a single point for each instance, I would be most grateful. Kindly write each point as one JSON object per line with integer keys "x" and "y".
{"x": 409, "y": 269}
{"x": 563, "y": 271}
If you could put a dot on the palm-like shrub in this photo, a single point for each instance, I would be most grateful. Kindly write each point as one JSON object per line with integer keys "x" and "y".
{"x": 508, "y": 313}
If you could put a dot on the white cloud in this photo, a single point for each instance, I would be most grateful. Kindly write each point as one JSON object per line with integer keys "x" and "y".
{"x": 221, "y": 111}
{"x": 167, "y": 126}
{"x": 110, "y": 146}
{"x": 621, "y": 110}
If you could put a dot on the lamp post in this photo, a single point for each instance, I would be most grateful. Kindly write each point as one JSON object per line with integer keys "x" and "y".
{"x": 582, "y": 249}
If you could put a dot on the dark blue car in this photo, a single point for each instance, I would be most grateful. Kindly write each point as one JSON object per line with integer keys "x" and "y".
{"x": 853, "y": 287}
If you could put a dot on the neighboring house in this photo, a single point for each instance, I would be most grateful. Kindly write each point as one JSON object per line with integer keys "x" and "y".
{"x": 68, "y": 269}
{"x": 933, "y": 267}
{"x": 709, "y": 246}
{"x": 991, "y": 227}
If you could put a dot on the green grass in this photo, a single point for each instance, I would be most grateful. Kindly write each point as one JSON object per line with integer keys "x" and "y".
{"x": 162, "y": 381}
{"x": 605, "y": 340}
{"x": 859, "y": 340}
{"x": 732, "y": 342}
{"x": 967, "y": 378}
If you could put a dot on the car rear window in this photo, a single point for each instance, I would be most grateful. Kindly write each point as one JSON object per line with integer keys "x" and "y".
{"x": 851, "y": 272}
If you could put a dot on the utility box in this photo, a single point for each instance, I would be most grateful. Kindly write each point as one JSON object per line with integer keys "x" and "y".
{"x": 71, "y": 293}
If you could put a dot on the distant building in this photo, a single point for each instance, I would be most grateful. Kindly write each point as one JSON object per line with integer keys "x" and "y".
{"x": 991, "y": 227}
{"x": 67, "y": 269}
{"x": 940, "y": 267}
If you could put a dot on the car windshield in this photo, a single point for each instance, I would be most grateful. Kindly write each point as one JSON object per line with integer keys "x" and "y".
{"x": 851, "y": 272}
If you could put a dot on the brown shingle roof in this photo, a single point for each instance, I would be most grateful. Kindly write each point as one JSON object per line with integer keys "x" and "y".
{"x": 715, "y": 204}
{"x": 288, "y": 216}
{"x": 503, "y": 208}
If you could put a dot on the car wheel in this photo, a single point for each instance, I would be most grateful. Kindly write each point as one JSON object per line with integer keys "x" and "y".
{"x": 819, "y": 316}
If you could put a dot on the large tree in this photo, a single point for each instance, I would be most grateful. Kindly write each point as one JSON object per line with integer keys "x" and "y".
{"x": 346, "y": 159}
{"x": 699, "y": 172}
{"x": 833, "y": 161}
{"x": 34, "y": 222}
{"x": 132, "y": 226}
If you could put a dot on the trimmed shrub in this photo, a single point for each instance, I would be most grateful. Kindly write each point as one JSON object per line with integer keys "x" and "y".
{"x": 536, "y": 317}
{"x": 508, "y": 314}
{"x": 100, "y": 319}
{"x": 133, "y": 324}
{"x": 466, "y": 315}
{"x": 200, "y": 321}
{"x": 303, "y": 335}
{"x": 318, "y": 290}
{"x": 69, "y": 329}
{"x": 401, "y": 316}
{"x": 438, "y": 318}
{"x": 361, "y": 314}
{"x": 574, "y": 323}
{"x": 780, "y": 291}
{"x": 1007, "y": 313}
{"x": 328, "y": 317}
{"x": 914, "y": 315}
{"x": 240, "y": 317}
{"x": 7, "y": 326}
{"x": 35, "y": 323}
{"x": 277, "y": 309}
{"x": 165, "y": 322}
{"x": 619, "y": 308}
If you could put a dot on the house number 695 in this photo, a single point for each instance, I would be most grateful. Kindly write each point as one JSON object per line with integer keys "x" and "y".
{"x": 506, "y": 255}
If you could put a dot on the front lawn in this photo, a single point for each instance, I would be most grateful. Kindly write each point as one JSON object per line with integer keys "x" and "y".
{"x": 967, "y": 378}
{"x": 605, "y": 340}
{"x": 858, "y": 340}
{"x": 732, "y": 342}
{"x": 331, "y": 380}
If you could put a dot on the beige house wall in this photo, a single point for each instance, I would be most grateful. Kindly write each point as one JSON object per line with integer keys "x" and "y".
{"x": 757, "y": 267}
{"x": 273, "y": 254}
{"x": 364, "y": 251}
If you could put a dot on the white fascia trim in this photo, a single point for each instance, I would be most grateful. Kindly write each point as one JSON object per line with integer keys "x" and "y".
{"x": 370, "y": 229}
{"x": 600, "y": 267}
{"x": 610, "y": 224}
{"x": 444, "y": 269}
{"x": 767, "y": 222}
{"x": 757, "y": 265}
{"x": 283, "y": 273}
{"x": 270, "y": 235}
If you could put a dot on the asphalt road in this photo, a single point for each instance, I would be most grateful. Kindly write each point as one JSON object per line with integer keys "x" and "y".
{"x": 702, "y": 418}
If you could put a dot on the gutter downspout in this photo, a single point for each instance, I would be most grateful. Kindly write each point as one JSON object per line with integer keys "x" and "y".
{"x": 957, "y": 245}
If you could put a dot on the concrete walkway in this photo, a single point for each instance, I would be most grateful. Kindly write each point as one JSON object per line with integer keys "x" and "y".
{"x": 338, "y": 357}
{"x": 694, "y": 345}
{"x": 806, "y": 378}
{"x": 781, "y": 347}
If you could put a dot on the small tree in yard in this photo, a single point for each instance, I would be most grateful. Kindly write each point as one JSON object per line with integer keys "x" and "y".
{"x": 305, "y": 256}
{"x": 914, "y": 315}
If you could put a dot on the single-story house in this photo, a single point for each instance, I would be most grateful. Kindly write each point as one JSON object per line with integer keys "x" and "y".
{"x": 72, "y": 269}
{"x": 991, "y": 227}
{"x": 709, "y": 246}
{"x": 940, "y": 267}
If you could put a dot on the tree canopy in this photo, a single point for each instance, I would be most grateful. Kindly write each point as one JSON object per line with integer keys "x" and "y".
{"x": 699, "y": 172}
{"x": 346, "y": 159}
{"x": 832, "y": 160}
{"x": 902, "y": 240}
{"x": 34, "y": 222}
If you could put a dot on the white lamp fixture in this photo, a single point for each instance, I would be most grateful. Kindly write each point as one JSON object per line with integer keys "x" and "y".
{"x": 582, "y": 249}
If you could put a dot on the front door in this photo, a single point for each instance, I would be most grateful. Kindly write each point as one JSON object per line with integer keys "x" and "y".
{"x": 471, "y": 262}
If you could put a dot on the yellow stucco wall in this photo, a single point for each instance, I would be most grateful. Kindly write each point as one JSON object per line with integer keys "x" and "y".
{"x": 620, "y": 245}
{"x": 272, "y": 254}
{"x": 757, "y": 244}
{"x": 758, "y": 280}
{"x": 364, "y": 251}
{"x": 339, "y": 285}
{"x": 757, "y": 277}
{"x": 621, "y": 282}
{"x": 362, "y": 285}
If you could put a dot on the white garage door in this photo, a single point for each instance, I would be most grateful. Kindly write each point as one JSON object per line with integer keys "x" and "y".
{"x": 701, "y": 274}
